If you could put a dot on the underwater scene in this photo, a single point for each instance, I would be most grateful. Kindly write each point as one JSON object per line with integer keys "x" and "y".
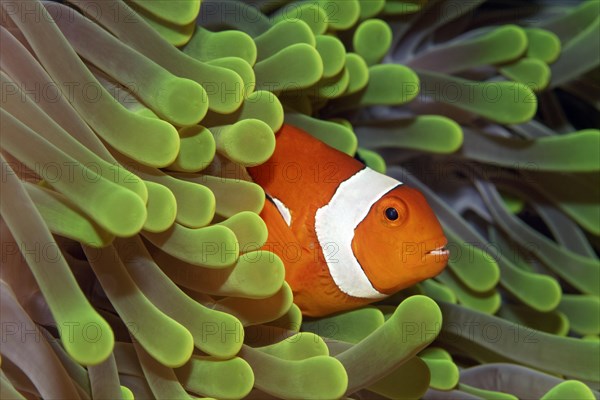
{"x": 314, "y": 199}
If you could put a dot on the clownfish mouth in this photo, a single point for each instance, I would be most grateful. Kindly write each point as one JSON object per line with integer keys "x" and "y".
{"x": 439, "y": 251}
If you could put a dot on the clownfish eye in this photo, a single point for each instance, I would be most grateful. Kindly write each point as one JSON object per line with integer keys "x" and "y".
{"x": 391, "y": 213}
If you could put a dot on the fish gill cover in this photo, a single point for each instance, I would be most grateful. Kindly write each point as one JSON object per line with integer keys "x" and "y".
{"x": 131, "y": 242}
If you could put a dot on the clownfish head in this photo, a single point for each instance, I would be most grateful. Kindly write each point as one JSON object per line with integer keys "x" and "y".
{"x": 400, "y": 241}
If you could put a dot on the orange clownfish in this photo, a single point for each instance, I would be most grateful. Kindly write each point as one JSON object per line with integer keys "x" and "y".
{"x": 347, "y": 235}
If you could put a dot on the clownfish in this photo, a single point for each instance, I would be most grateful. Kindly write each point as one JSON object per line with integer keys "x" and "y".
{"x": 347, "y": 235}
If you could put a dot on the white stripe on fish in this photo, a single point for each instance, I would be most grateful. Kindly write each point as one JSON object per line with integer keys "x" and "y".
{"x": 283, "y": 210}
{"x": 335, "y": 224}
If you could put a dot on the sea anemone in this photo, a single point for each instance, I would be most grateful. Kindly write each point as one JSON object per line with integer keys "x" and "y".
{"x": 132, "y": 261}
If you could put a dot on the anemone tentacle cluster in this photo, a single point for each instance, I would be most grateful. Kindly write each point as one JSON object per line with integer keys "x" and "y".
{"x": 132, "y": 263}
